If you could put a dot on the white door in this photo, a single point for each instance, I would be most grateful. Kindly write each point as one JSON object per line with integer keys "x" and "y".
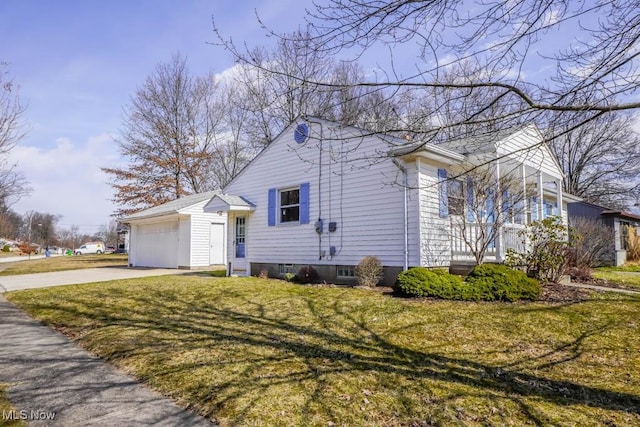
{"x": 216, "y": 244}
{"x": 239, "y": 244}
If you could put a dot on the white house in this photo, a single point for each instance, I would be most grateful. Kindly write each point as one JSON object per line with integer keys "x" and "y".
{"x": 326, "y": 195}
{"x": 177, "y": 234}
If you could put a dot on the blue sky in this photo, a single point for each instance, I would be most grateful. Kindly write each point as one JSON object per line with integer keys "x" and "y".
{"x": 78, "y": 62}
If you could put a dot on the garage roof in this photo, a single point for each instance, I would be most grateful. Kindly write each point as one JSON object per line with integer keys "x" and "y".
{"x": 172, "y": 207}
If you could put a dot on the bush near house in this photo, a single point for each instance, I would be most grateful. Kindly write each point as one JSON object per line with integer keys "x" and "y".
{"x": 6, "y": 248}
{"x": 307, "y": 274}
{"x": 423, "y": 282}
{"x": 488, "y": 282}
{"x": 369, "y": 271}
{"x": 501, "y": 283}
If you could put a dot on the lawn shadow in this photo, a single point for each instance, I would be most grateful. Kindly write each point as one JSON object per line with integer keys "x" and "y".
{"x": 174, "y": 323}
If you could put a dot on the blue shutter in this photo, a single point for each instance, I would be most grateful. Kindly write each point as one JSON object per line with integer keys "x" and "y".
{"x": 272, "y": 206}
{"x": 470, "y": 200}
{"x": 534, "y": 208}
{"x": 304, "y": 203}
{"x": 442, "y": 193}
{"x": 555, "y": 209}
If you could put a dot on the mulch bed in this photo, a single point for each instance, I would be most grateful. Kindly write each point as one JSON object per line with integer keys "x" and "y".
{"x": 553, "y": 292}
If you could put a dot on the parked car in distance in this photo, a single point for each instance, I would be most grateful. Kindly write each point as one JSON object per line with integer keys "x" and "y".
{"x": 90, "y": 248}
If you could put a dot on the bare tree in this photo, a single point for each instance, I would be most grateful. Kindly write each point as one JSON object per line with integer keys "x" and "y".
{"x": 13, "y": 185}
{"x": 480, "y": 203}
{"x": 540, "y": 56}
{"x": 277, "y": 84}
{"x": 167, "y": 137}
{"x": 601, "y": 160}
{"x": 10, "y": 224}
{"x": 108, "y": 233}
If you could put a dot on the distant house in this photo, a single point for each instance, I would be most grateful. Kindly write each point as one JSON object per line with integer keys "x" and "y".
{"x": 177, "y": 234}
{"x": 618, "y": 221}
{"x": 326, "y": 195}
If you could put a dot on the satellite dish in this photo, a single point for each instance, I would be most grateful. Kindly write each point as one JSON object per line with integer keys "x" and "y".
{"x": 301, "y": 134}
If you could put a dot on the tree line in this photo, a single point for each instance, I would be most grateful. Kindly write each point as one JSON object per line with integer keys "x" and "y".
{"x": 185, "y": 134}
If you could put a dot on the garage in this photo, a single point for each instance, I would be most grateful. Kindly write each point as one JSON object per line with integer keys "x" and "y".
{"x": 177, "y": 234}
{"x": 156, "y": 245}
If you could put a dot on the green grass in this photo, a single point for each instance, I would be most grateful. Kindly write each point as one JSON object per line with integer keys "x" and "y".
{"x": 629, "y": 267}
{"x": 248, "y": 351}
{"x": 61, "y": 263}
{"x": 631, "y": 281}
{"x": 5, "y": 408}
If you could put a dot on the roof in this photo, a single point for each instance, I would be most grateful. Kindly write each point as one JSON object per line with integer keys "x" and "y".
{"x": 480, "y": 143}
{"x": 227, "y": 202}
{"x": 172, "y": 207}
{"x": 605, "y": 211}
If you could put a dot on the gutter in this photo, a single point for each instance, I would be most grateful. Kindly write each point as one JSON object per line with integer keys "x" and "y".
{"x": 405, "y": 209}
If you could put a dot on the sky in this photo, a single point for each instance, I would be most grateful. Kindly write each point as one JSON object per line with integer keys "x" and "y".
{"x": 77, "y": 63}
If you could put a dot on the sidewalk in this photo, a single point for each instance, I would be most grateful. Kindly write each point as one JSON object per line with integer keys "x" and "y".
{"x": 47, "y": 374}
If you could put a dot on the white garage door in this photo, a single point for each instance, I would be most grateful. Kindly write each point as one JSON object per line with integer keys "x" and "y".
{"x": 156, "y": 245}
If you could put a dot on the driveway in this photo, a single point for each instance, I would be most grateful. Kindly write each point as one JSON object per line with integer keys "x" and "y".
{"x": 71, "y": 277}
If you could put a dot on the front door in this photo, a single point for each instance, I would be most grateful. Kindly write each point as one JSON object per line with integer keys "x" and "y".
{"x": 239, "y": 243}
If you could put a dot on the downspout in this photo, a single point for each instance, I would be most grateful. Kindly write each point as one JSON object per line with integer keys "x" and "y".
{"x": 319, "y": 222}
{"x": 405, "y": 210}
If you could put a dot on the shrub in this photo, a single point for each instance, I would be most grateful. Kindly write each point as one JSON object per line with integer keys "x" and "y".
{"x": 488, "y": 282}
{"x": 591, "y": 243}
{"x": 307, "y": 274}
{"x": 423, "y": 282}
{"x": 633, "y": 245}
{"x": 369, "y": 271}
{"x": 549, "y": 252}
{"x": 6, "y": 248}
{"x": 499, "y": 282}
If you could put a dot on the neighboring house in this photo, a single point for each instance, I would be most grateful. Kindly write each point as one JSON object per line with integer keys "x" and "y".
{"x": 326, "y": 195}
{"x": 177, "y": 234}
{"x": 619, "y": 222}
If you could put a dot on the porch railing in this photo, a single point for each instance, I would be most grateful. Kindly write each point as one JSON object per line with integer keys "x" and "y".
{"x": 510, "y": 238}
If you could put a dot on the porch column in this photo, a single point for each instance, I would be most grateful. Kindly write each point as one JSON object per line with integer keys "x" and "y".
{"x": 525, "y": 203}
{"x": 499, "y": 214}
{"x": 559, "y": 197}
{"x": 540, "y": 197}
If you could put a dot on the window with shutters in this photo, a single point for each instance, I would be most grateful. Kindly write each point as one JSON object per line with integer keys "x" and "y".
{"x": 290, "y": 205}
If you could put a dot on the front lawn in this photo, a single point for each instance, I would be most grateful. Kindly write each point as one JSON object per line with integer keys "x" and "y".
{"x": 249, "y": 351}
{"x": 626, "y": 279}
{"x": 60, "y": 263}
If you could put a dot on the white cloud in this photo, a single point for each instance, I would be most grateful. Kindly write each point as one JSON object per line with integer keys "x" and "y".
{"x": 67, "y": 180}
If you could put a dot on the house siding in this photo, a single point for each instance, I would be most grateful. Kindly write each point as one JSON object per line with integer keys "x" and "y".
{"x": 353, "y": 187}
{"x": 435, "y": 242}
{"x": 526, "y": 147}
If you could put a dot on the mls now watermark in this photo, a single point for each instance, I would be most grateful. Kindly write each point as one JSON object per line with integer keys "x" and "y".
{"x": 25, "y": 415}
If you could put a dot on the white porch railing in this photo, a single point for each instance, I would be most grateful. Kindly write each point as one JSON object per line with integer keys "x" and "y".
{"x": 510, "y": 238}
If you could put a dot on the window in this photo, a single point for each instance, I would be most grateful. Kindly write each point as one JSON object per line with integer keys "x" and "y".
{"x": 286, "y": 268}
{"x": 290, "y": 205}
{"x": 455, "y": 197}
{"x": 345, "y": 271}
{"x": 624, "y": 235}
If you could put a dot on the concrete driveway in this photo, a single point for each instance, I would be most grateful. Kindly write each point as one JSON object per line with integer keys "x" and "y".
{"x": 71, "y": 277}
